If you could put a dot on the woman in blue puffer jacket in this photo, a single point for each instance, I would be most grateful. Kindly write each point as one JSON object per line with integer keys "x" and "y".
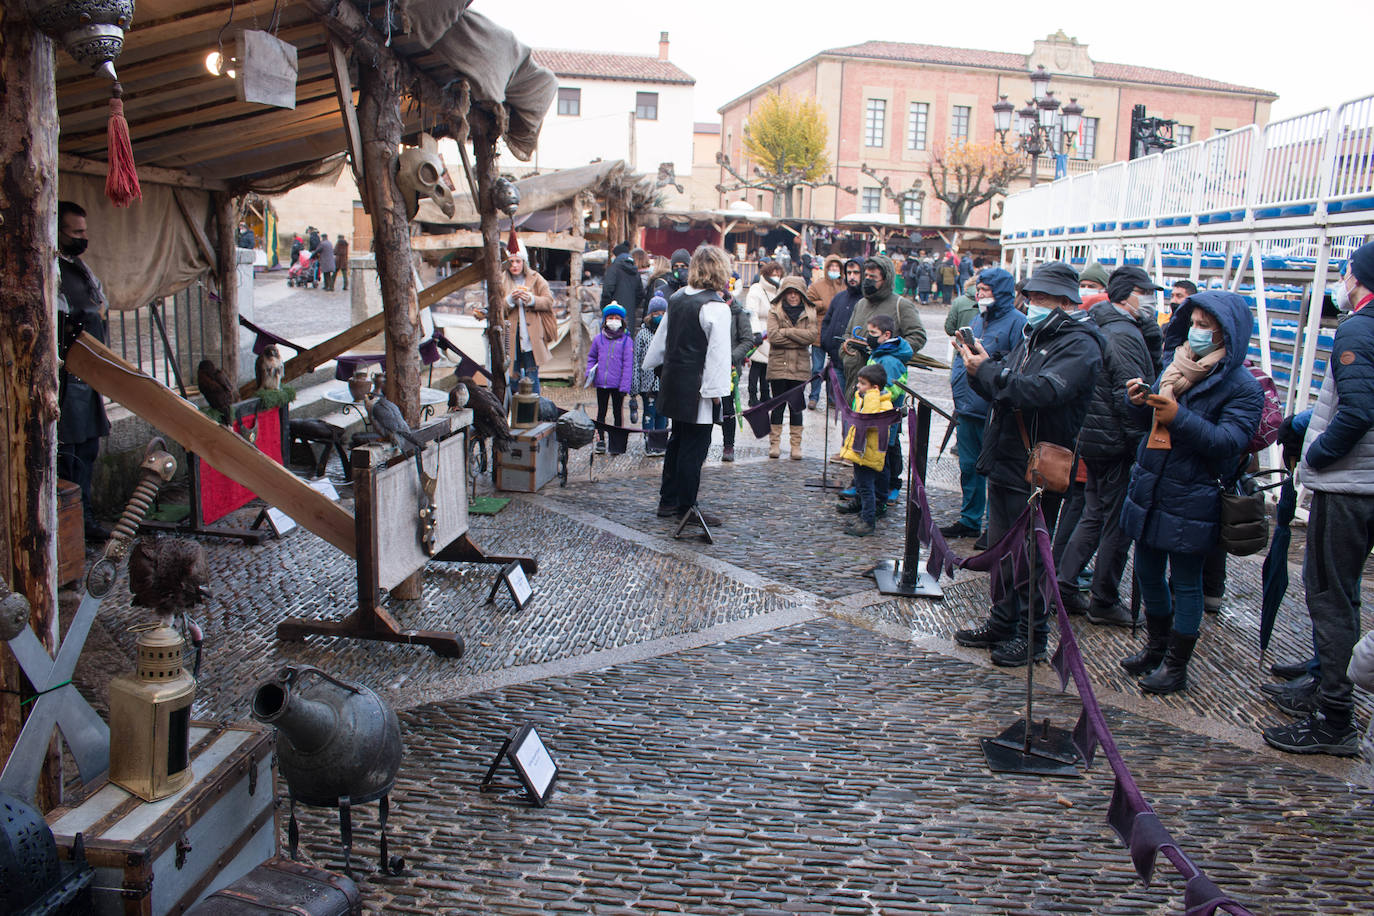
{"x": 1206, "y": 407}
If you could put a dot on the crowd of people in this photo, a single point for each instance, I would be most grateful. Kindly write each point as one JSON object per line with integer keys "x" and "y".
{"x": 314, "y": 258}
{"x": 1157, "y": 419}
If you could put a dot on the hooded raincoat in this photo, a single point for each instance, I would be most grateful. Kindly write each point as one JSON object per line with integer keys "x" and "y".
{"x": 883, "y": 302}
{"x": 999, "y": 330}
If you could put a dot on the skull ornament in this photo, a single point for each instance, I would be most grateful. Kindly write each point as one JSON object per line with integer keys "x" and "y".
{"x": 505, "y": 195}
{"x": 420, "y": 174}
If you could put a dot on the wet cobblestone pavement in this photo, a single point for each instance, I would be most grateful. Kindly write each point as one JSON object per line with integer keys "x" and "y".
{"x": 749, "y": 727}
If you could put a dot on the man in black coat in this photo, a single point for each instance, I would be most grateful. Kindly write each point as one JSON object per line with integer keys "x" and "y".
{"x": 1107, "y": 444}
{"x": 835, "y": 328}
{"x": 81, "y": 420}
{"x": 1044, "y": 384}
{"x": 676, "y": 278}
{"x": 622, "y": 286}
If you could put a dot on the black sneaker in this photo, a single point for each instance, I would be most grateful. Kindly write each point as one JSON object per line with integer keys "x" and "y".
{"x": 1012, "y": 653}
{"x": 850, "y": 507}
{"x": 1314, "y": 734}
{"x": 1289, "y": 670}
{"x": 1074, "y": 601}
{"x": 1109, "y": 615}
{"x": 983, "y": 636}
{"x": 1296, "y": 702}
{"x": 958, "y": 530}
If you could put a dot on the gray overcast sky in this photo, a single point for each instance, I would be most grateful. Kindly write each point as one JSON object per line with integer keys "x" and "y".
{"x": 1312, "y": 53}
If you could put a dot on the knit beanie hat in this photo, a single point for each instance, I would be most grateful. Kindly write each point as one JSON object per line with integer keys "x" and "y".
{"x": 1362, "y": 265}
{"x": 614, "y": 309}
{"x": 622, "y": 248}
{"x": 658, "y": 304}
{"x": 1095, "y": 273}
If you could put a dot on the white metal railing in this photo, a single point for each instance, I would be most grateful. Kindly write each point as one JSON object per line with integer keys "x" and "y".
{"x": 1105, "y": 210}
{"x": 1291, "y": 163}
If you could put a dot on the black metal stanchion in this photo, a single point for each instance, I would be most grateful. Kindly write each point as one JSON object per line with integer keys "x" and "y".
{"x": 1024, "y": 746}
{"x": 824, "y": 482}
{"x": 905, "y": 576}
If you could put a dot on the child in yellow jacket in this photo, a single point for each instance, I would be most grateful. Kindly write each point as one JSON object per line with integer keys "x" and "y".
{"x": 870, "y": 396}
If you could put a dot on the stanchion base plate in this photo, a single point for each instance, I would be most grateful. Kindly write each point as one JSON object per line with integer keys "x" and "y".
{"x": 888, "y": 574}
{"x": 1051, "y": 752}
{"x": 825, "y": 483}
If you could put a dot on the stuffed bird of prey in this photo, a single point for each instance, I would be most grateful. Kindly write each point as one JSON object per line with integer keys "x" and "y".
{"x": 168, "y": 576}
{"x": 269, "y": 369}
{"x": 218, "y": 390}
{"x": 488, "y": 416}
{"x": 387, "y": 420}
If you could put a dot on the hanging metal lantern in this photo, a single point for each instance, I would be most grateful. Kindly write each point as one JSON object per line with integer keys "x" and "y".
{"x": 91, "y": 31}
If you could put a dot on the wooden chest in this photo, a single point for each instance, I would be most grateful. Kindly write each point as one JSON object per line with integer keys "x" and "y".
{"x": 282, "y": 886}
{"x": 529, "y": 460}
{"x": 152, "y": 858}
{"x": 71, "y": 533}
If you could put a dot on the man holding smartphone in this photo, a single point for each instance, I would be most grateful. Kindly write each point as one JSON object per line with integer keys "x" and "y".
{"x": 1000, "y": 327}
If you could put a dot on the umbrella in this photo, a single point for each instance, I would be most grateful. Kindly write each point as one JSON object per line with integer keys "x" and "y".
{"x": 1275, "y": 575}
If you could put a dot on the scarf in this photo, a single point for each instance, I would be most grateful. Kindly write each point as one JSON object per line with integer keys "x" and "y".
{"x": 793, "y": 312}
{"x": 1183, "y": 373}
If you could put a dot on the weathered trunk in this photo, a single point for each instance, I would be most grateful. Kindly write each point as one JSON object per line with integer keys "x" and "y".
{"x": 379, "y": 123}
{"x": 579, "y": 355}
{"x": 28, "y": 349}
{"x": 227, "y": 279}
{"x": 483, "y": 128}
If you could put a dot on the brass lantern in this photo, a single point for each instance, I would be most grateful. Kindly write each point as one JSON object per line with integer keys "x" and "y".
{"x": 150, "y": 719}
{"x": 524, "y": 406}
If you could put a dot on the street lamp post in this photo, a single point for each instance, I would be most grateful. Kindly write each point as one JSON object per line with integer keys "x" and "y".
{"x": 1042, "y": 126}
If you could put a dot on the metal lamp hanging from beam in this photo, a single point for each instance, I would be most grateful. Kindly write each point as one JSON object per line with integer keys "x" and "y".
{"x": 92, "y": 32}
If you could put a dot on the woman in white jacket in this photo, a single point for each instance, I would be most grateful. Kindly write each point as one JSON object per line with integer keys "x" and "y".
{"x": 757, "y": 304}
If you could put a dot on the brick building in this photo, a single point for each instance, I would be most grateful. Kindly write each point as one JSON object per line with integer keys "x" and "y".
{"x": 888, "y": 103}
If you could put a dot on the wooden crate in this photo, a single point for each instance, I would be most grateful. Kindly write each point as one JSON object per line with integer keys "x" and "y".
{"x": 71, "y": 533}
{"x": 152, "y": 858}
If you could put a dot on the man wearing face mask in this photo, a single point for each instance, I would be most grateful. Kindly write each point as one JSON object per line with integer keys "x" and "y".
{"x": 1044, "y": 384}
{"x": 676, "y": 278}
{"x": 841, "y": 310}
{"x": 1338, "y": 467}
{"x": 81, "y": 420}
{"x": 999, "y": 328}
{"x": 825, "y": 288}
{"x": 1107, "y": 445}
{"x": 879, "y": 299}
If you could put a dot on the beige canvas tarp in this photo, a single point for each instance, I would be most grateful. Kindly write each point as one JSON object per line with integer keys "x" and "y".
{"x": 146, "y": 251}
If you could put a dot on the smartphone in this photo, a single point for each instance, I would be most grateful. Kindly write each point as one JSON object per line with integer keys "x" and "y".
{"x": 965, "y": 336}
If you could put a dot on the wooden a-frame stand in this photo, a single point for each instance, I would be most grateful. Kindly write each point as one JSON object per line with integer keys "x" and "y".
{"x": 385, "y": 490}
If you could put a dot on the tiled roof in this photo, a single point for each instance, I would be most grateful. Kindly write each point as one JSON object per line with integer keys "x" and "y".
{"x": 602, "y": 66}
{"x": 1000, "y": 60}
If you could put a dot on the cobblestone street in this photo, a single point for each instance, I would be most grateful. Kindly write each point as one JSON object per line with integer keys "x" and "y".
{"x": 750, "y": 727}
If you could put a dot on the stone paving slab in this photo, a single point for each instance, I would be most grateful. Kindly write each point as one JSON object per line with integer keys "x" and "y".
{"x": 824, "y": 768}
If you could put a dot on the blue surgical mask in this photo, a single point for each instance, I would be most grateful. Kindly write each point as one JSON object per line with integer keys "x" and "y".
{"x": 1036, "y": 314}
{"x": 1200, "y": 341}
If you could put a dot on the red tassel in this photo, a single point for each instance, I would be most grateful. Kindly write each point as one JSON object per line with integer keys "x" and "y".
{"x": 513, "y": 243}
{"x": 121, "y": 180}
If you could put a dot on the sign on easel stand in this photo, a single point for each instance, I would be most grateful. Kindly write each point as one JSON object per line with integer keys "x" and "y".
{"x": 512, "y": 575}
{"x": 279, "y": 522}
{"x": 532, "y": 762}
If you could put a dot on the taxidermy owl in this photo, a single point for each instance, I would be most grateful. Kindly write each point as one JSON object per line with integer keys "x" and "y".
{"x": 168, "y": 576}
{"x": 270, "y": 369}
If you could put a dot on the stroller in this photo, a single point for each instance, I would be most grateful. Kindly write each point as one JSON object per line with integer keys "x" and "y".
{"x": 305, "y": 272}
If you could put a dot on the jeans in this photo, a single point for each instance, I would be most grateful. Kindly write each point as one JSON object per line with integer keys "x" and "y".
{"x": 651, "y": 418}
{"x": 817, "y": 364}
{"x": 687, "y": 447}
{"x": 778, "y": 386}
{"x": 1214, "y": 574}
{"x": 1009, "y": 614}
{"x": 890, "y": 477}
{"x": 866, "y": 482}
{"x": 1099, "y": 529}
{"x": 1340, "y": 535}
{"x": 1184, "y": 570}
{"x": 975, "y": 486}
{"x": 524, "y": 366}
{"x": 758, "y": 382}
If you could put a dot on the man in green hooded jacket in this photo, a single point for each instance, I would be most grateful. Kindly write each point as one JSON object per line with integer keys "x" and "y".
{"x": 879, "y": 299}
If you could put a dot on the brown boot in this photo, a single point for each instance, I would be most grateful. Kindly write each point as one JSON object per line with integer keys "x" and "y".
{"x": 774, "y": 441}
{"x": 796, "y": 442}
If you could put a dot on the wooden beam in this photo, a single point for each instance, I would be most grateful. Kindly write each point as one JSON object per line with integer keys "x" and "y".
{"x": 230, "y": 453}
{"x": 343, "y": 90}
{"x": 227, "y": 274}
{"x": 472, "y": 238}
{"x": 482, "y": 125}
{"x": 366, "y": 329}
{"x": 204, "y": 143}
{"x": 28, "y": 352}
{"x": 77, "y": 165}
{"x": 197, "y": 230}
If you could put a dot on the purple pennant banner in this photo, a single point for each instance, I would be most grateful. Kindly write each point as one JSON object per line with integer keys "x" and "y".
{"x": 757, "y": 416}
{"x": 1129, "y": 814}
{"x": 266, "y": 338}
{"x": 861, "y": 423}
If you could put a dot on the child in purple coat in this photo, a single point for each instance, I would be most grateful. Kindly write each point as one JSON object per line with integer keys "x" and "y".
{"x": 610, "y": 368}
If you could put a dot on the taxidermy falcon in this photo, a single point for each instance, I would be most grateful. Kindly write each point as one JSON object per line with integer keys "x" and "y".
{"x": 270, "y": 369}
{"x": 218, "y": 390}
{"x": 488, "y": 416}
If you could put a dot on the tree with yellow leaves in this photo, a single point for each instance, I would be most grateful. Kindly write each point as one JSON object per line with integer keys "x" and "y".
{"x": 786, "y": 138}
{"x": 964, "y": 175}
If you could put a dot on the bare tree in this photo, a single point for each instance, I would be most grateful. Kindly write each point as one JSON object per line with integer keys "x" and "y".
{"x": 912, "y": 195}
{"x": 964, "y": 175}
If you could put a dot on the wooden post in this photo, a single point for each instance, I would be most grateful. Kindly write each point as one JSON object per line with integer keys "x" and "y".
{"x": 227, "y": 278}
{"x": 379, "y": 122}
{"x": 483, "y": 128}
{"x": 579, "y": 356}
{"x": 28, "y": 350}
